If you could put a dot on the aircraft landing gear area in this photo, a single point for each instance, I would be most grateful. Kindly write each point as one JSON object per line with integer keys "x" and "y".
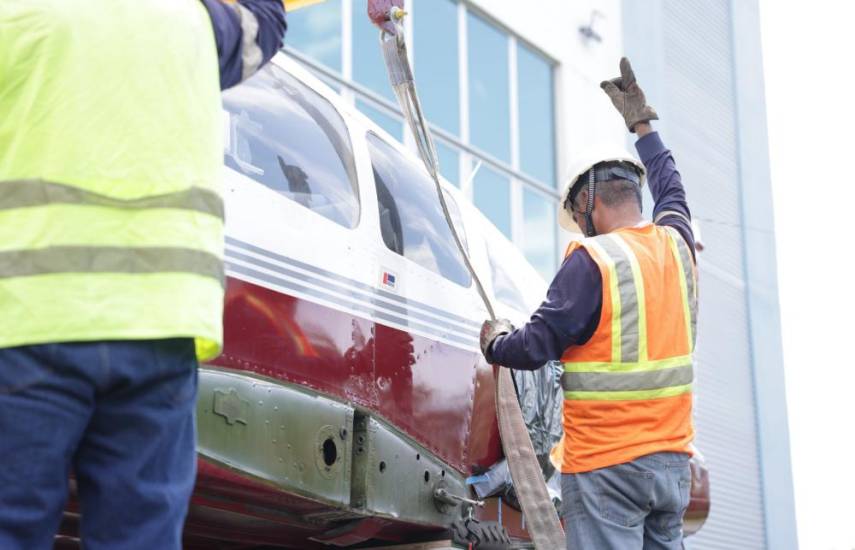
{"x": 486, "y": 535}
{"x": 466, "y": 533}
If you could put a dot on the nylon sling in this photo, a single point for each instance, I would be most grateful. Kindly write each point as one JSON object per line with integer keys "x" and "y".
{"x": 541, "y": 516}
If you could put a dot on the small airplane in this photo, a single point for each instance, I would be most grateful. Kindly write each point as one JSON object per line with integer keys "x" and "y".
{"x": 351, "y": 401}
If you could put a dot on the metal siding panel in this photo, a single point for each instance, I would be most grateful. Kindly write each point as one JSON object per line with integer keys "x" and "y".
{"x": 761, "y": 269}
{"x": 697, "y": 98}
{"x": 724, "y": 414}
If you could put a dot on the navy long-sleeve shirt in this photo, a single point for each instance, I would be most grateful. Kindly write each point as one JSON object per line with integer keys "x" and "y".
{"x": 241, "y": 53}
{"x": 571, "y": 311}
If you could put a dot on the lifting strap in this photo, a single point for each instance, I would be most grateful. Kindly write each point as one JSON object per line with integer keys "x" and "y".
{"x": 540, "y": 515}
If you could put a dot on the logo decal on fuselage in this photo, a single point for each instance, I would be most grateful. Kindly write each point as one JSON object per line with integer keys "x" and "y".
{"x": 389, "y": 280}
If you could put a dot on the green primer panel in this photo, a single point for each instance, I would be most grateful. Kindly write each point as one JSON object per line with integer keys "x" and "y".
{"x": 394, "y": 477}
{"x": 297, "y": 441}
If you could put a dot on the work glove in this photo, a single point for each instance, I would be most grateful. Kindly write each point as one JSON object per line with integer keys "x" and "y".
{"x": 490, "y": 330}
{"x": 628, "y": 98}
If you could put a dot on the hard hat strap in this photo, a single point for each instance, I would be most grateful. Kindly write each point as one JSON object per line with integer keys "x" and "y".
{"x": 590, "y": 230}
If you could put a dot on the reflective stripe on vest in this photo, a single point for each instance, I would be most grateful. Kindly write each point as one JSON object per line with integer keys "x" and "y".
{"x": 688, "y": 288}
{"x": 630, "y": 375}
{"x": 130, "y": 258}
{"x": 28, "y": 193}
{"x": 629, "y": 319}
{"x": 105, "y": 259}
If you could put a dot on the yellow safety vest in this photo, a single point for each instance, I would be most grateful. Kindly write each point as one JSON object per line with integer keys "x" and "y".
{"x": 111, "y": 216}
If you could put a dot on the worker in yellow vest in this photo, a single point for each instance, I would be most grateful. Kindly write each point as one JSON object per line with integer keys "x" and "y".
{"x": 620, "y": 315}
{"x": 111, "y": 242}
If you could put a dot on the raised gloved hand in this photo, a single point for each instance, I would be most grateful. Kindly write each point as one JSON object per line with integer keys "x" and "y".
{"x": 490, "y": 330}
{"x": 628, "y": 98}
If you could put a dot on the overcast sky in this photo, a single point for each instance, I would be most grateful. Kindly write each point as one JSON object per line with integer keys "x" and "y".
{"x": 808, "y": 50}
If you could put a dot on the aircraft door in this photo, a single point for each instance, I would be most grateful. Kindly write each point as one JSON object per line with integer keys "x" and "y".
{"x": 426, "y": 348}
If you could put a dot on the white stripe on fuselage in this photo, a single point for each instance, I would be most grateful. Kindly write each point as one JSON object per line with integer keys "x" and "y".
{"x": 334, "y": 294}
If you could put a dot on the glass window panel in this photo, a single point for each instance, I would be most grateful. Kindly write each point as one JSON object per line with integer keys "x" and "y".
{"x": 492, "y": 194}
{"x": 489, "y": 96}
{"x": 456, "y": 220}
{"x": 369, "y": 67}
{"x": 539, "y": 232}
{"x": 449, "y": 162}
{"x": 288, "y": 138}
{"x": 537, "y": 136}
{"x": 391, "y": 124}
{"x": 435, "y": 48}
{"x": 316, "y": 32}
{"x": 411, "y": 219}
{"x": 504, "y": 288}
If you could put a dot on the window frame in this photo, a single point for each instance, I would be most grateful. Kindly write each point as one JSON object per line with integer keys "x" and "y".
{"x": 351, "y": 172}
{"x": 456, "y": 213}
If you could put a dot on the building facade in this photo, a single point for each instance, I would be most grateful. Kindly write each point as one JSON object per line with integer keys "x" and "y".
{"x": 702, "y": 68}
{"x": 511, "y": 90}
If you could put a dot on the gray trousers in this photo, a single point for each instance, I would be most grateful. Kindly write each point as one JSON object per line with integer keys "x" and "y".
{"x": 638, "y": 504}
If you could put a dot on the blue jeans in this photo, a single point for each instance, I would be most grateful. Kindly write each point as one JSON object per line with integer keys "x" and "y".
{"x": 120, "y": 415}
{"x": 639, "y": 504}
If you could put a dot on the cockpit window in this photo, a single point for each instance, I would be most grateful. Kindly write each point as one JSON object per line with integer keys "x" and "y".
{"x": 505, "y": 289}
{"x": 411, "y": 219}
{"x": 287, "y": 137}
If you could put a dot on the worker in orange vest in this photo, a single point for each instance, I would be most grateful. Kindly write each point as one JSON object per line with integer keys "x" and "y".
{"x": 620, "y": 315}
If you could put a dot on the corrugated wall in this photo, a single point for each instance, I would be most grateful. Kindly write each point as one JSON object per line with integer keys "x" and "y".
{"x": 690, "y": 56}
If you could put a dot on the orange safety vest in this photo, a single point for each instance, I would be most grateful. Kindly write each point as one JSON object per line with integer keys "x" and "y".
{"x": 628, "y": 389}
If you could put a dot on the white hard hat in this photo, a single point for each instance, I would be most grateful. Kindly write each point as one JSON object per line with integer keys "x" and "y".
{"x": 583, "y": 163}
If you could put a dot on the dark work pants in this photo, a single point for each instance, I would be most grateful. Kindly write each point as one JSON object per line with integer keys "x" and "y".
{"x": 120, "y": 415}
{"x": 635, "y": 505}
